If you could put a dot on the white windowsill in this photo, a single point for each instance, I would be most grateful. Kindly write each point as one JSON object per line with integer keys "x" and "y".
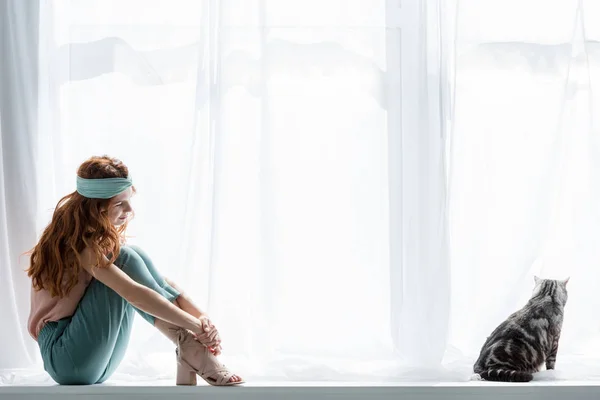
{"x": 314, "y": 391}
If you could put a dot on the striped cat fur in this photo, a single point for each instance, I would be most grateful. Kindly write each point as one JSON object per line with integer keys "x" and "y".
{"x": 528, "y": 338}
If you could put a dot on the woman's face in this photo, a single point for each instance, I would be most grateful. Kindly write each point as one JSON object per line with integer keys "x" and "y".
{"x": 119, "y": 208}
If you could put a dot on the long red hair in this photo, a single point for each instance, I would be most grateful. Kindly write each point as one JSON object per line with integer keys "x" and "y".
{"x": 78, "y": 222}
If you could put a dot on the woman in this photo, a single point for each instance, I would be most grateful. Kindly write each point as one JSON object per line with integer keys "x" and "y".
{"x": 86, "y": 285}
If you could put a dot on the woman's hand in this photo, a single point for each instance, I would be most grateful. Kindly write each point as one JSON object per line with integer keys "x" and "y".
{"x": 209, "y": 335}
{"x": 185, "y": 303}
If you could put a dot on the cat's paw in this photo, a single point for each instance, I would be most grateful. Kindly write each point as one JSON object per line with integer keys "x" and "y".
{"x": 476, "y": 377}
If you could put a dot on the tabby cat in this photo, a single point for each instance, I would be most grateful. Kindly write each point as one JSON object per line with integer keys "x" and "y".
{"x": 528, "y": 338}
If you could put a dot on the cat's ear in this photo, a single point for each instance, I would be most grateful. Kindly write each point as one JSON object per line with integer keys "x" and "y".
{"x": 536, "y": 280}
{"x": 566, "y": 281}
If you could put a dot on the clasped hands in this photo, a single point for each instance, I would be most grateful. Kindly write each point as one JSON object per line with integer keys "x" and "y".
{"x": 209, "y": 335}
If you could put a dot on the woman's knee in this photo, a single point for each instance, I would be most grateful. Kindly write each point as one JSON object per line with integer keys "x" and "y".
{"x": 138, "y": 250}
{"x": 128, "y": 257}
{"x": 135, "y": 267}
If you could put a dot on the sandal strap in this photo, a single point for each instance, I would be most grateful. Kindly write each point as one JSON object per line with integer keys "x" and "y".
{"x": 210, "y": 368}
{"x": 220, "y": 375}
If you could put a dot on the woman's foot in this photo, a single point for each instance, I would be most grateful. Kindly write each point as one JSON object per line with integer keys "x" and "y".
{"x": 195, "y": 358}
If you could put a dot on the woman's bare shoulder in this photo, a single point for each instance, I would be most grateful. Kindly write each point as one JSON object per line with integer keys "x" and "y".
{"x": 88, "y": 257}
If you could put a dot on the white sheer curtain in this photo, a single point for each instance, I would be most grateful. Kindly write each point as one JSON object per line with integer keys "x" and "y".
{"x": 19, "y": 208}
{"x": 524, "y": 167}
{"x": 289, "y": 161}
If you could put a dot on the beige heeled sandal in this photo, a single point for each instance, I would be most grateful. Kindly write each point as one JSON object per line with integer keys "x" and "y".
{"x": 211, "y": 370}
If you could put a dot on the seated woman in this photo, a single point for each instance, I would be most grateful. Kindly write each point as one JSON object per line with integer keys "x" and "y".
{"x": 87, "y": 284}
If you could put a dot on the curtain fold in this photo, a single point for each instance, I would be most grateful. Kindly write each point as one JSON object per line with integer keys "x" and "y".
{"x": 19, "y": 206}
{"x": 419, "y": 243}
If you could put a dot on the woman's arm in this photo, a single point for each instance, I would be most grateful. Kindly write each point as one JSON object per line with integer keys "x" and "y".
{"x": 143, "y": 298}
{"x": 185, "y": 302}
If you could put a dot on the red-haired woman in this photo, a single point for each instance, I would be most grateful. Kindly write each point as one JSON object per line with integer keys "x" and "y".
{"x": 86, "y": 286}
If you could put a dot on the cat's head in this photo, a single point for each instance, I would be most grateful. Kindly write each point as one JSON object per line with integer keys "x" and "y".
{"x": 555, "y": 289}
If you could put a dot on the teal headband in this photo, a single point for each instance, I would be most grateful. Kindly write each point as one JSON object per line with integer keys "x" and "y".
{"x": 102, "y": 188}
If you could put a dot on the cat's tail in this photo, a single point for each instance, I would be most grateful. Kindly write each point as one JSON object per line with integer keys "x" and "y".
{"x": 506, "y": 375}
